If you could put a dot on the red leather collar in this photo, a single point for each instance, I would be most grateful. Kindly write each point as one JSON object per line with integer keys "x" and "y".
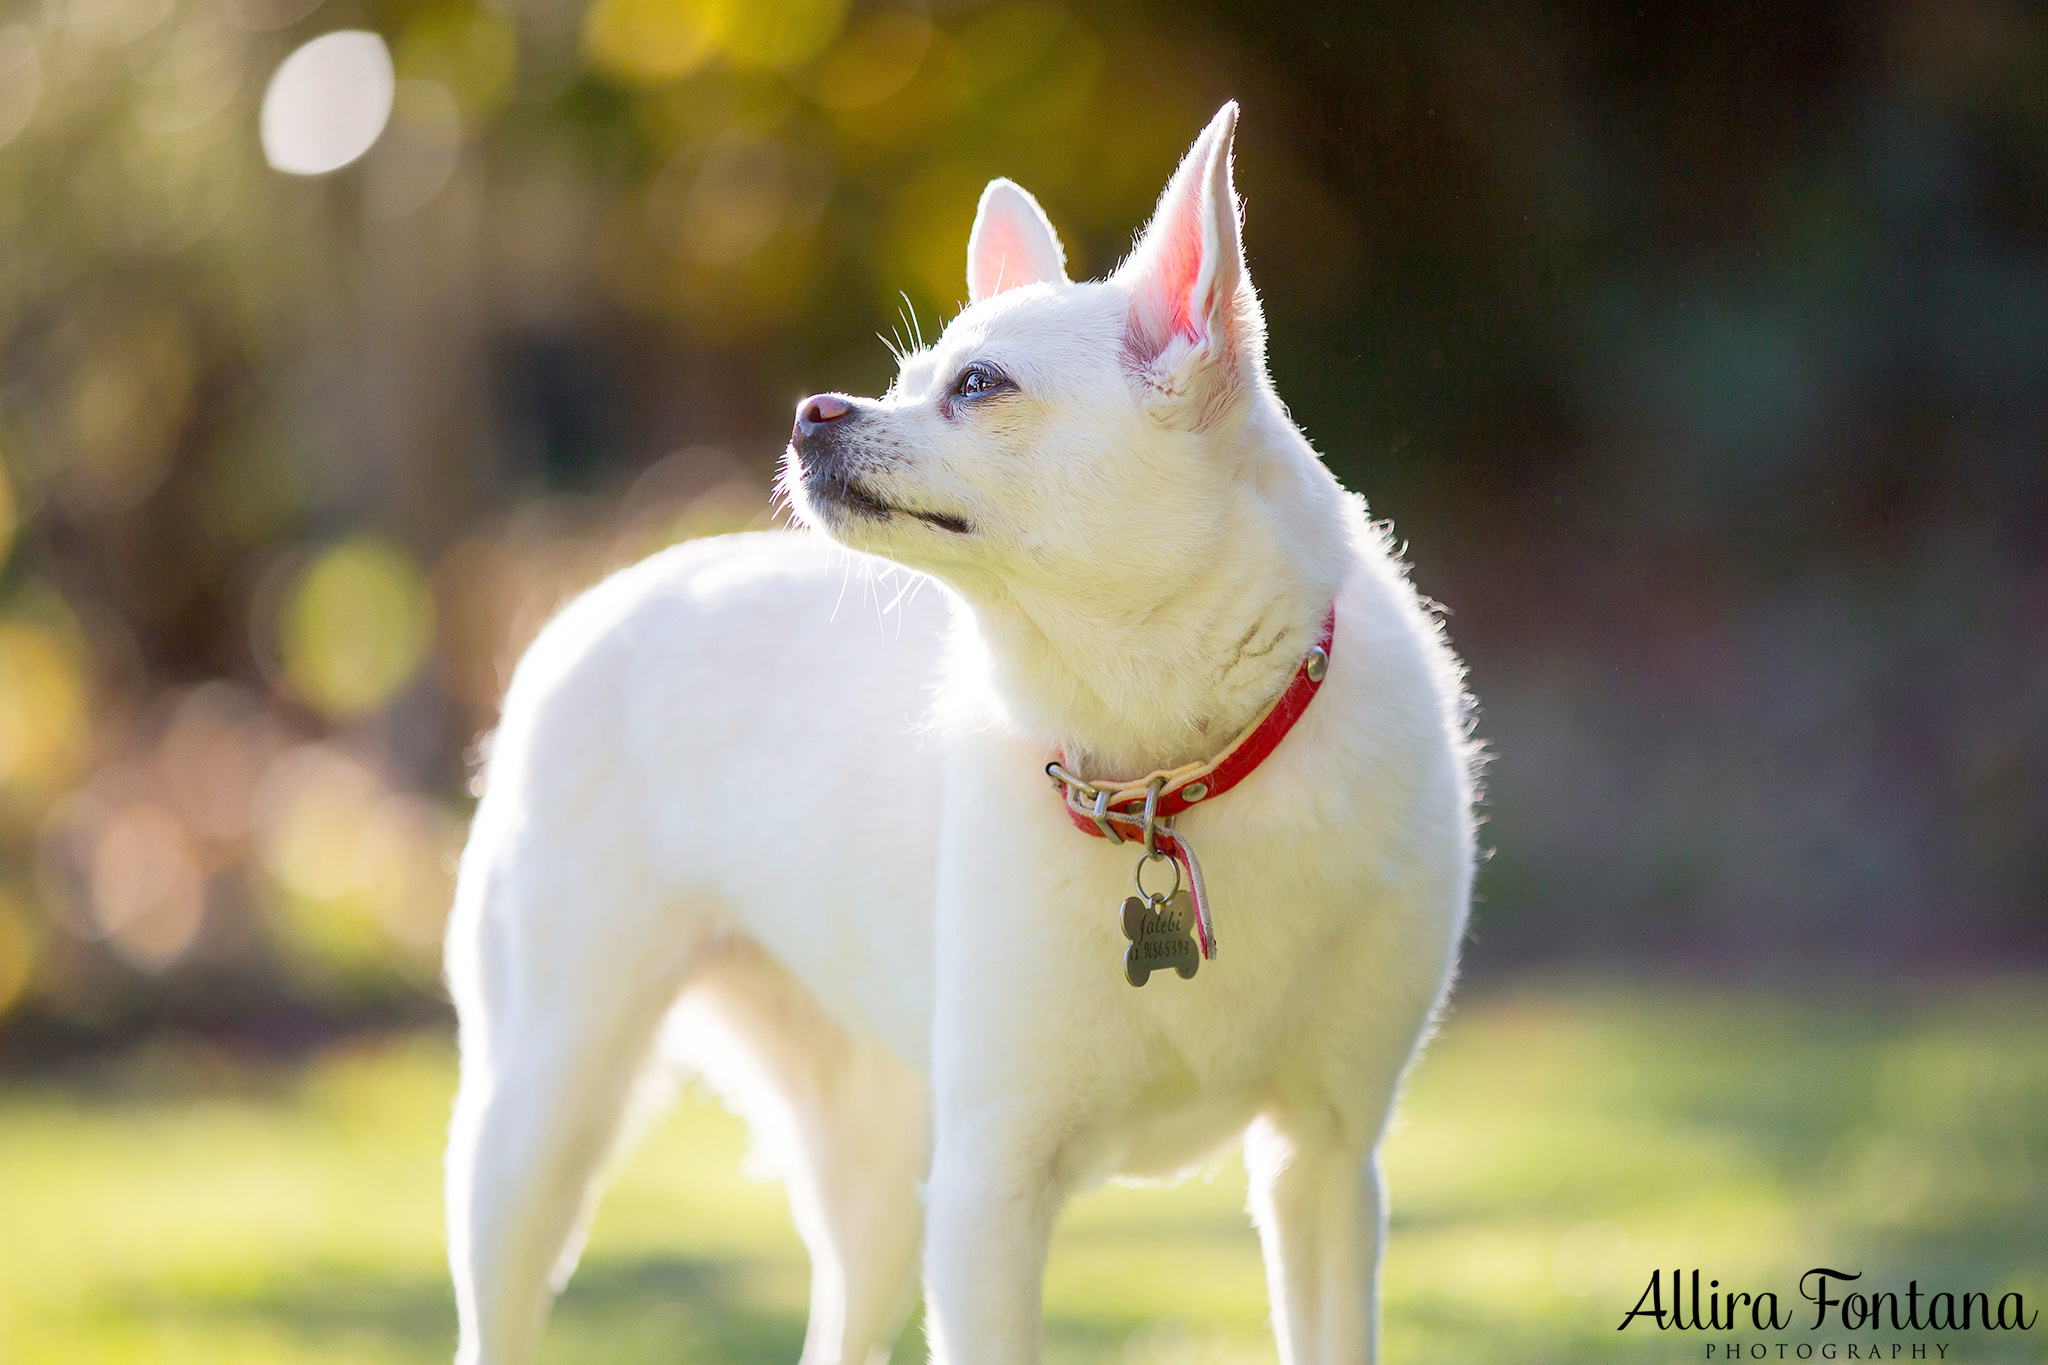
{"x": 1113, "y": 809}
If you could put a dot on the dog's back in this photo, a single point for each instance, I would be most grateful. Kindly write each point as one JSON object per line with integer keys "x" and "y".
{"x": 671, "y": 716}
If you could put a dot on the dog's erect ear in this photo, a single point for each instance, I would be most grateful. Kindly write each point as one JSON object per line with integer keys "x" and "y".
{"x": 1195, "y": 331}
{"x": 1012, "y": 243}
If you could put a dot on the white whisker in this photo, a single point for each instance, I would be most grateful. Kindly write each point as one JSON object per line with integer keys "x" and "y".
{"x": 846, "y": 572}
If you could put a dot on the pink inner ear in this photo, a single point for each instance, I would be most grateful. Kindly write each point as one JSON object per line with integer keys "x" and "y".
{"x": 1186, "y": 272}
{"x": 1178, "y": 265}
{"x": 1005, "y": 260}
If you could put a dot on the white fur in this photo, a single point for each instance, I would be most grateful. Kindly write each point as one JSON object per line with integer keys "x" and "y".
{"x": 832, "y": 840}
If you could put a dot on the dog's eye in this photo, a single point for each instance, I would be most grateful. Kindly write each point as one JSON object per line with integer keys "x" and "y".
{"x": 976, "y": 380}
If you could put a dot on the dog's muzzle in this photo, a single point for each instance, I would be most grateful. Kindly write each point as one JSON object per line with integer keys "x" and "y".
{"x": 819, "y": 438}
{"x": 823, "y": 442}
{"x": 827, "y": 451}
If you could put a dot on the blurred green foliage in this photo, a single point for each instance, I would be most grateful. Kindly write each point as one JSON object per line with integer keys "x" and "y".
{"x": 1557, "y": 1144}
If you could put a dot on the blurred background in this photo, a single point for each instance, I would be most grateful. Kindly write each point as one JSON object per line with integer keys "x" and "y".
{"x": 1701, "y": 354}
{"x": 1703, "y": 360}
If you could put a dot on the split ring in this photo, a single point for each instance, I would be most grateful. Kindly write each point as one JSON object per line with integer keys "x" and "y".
{"x": 1138, "y": 878}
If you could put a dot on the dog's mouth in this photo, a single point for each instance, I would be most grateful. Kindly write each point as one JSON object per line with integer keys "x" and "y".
{"x": 844, "y": 493}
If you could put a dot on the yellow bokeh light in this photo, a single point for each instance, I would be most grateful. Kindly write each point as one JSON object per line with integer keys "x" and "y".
{"x": 17, "y": 949}
{"x": 647, "y": 42}
{"x": 410, "y": 847}
{"x": 361, "y": 867}
{"x": 356, "y": 627}
{"x": 875, "y": 60}
{"x": 43, "y": 721}
{"x": 779, "y": 33}
{"x": 471, "y": 50}
{"x": 313, "y": 806}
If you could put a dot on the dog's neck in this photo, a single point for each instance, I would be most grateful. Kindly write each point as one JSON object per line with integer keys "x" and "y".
{"x": 1124, "y": 684}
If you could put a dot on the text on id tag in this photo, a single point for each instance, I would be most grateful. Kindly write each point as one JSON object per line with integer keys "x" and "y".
{"x": 1161, "y": 931}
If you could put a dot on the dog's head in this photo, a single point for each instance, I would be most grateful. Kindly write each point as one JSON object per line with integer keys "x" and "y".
{"x": 1058, "y": 433}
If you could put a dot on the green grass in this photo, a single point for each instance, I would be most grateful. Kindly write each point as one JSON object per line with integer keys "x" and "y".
{"x": 180, "y": 1207}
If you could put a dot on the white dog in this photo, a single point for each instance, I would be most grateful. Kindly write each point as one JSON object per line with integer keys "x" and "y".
{"x": 830, "y": 854}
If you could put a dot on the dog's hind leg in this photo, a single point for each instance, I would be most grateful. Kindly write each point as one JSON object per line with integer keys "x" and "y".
{"x": 559, "y": 1006}
{"x": 844, "y": 1120}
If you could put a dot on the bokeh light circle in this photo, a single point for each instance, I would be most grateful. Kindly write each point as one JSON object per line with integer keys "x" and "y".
{"x": 327, "y": 103}
{"x": 45, "y": 733}
{"x": 356, "y": 627}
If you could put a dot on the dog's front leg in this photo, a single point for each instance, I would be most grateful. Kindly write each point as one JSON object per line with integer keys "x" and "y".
{"x": 1321, "y": 1210}
{"x": 998, "y": 1180}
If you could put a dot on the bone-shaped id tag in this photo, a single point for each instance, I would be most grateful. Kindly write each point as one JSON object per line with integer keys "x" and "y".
{"x": 1161, "y": 931}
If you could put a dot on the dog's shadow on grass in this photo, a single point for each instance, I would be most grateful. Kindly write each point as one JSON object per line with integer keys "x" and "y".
{"x": 621, "y": 1312}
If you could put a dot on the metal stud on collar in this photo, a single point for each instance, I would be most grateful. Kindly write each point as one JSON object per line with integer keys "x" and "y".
{"x": 1318, "y": 664}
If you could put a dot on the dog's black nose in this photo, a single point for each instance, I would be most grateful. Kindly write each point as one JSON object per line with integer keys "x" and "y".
{"x": 818, "y": 410}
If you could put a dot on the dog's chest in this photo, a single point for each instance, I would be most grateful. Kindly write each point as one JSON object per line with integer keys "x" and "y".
{"x": 1186, "y": 1063}
{"x": 1039, "y": 917}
